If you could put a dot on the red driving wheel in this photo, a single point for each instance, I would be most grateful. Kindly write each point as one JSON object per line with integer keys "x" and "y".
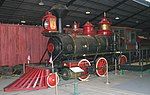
{"x": 122, "y": 59}
{"x": 101, "y": 66}
{"x": 52, "y": 80}
{"x": 84, "y": 64}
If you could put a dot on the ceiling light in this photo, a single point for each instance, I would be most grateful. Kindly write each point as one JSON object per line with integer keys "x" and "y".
{"x": 41, "y": 3}
{"x": 67, "y": 25}
{"x": 137, "y": 21}
{"x": 143, "y": 2}
{"x": 147, "y": 0}
{"x": 87, "y": 12}
{"x": 23, "y": 21}
{"x": 117, "y": 18}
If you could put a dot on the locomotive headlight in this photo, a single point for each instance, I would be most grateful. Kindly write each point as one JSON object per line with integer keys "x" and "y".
{"x": 49, "y": 22}
{"x": 46, "y": 24}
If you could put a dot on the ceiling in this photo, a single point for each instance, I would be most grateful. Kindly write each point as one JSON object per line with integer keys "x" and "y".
{"x": 131, "y": 14}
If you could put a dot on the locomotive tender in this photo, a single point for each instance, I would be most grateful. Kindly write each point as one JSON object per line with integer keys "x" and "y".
{"x": 88, "y": 49}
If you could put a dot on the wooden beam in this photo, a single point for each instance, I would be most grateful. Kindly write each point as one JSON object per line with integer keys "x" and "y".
{"x": 138, "y": 24}
{"x": 113, "y": 7}
{"x": 70, "y": 3}
{"x": 1, "y": 2}
{"x": 131, "y": 16}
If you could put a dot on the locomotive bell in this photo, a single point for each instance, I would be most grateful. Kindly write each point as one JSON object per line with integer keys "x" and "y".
{"x": 49, "y": 22}
{"x": 88, "y": 29}
{"x": 105, "y": 25}
{"x": 75, "y": 26}
{"x": 75, "y": 29}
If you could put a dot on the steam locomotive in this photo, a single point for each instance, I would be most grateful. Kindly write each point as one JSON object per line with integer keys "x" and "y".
{"x": 88, "y": 49}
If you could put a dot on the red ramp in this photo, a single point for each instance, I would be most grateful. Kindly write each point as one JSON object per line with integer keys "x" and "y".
{"x": 35, "y": 78}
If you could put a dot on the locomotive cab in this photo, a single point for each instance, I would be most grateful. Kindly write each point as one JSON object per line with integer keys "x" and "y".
{"x": 125, "y": 38}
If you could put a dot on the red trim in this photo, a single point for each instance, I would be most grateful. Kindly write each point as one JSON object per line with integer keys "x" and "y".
{"x": 70, "y": 64}
{"x": 104, "y": 33}
{"x": 50, "y": 47}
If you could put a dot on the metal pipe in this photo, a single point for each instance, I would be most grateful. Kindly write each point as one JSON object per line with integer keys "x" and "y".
{"x": 107, "y": 76}
{"x": 59, "y": 25}
{"x": 115, "y": 60}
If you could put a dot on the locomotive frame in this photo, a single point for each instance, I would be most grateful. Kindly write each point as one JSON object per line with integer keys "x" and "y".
{"x": 119, "y": 53}
{"x": 88, "y": 49}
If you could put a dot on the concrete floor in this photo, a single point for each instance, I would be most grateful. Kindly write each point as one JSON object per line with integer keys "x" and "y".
{"x": 128, "y": 84}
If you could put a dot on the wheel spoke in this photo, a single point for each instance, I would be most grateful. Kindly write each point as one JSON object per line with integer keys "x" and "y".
{"x": 84, "y": 64}
{"x": 101, "y": 66}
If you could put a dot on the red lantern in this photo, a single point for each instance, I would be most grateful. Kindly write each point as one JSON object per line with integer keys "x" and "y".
{"x": 105, "y": 29}
{"x": 88, "y": 29}
{"x": 49, "y": 22}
